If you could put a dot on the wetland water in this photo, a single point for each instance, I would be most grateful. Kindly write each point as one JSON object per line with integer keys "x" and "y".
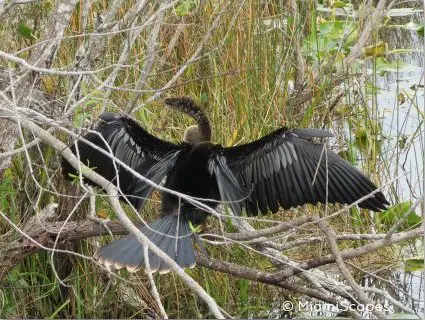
{"x": 399, "y": 103}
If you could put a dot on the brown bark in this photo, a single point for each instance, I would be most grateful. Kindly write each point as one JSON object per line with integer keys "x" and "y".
{"x": 17, "y": 247}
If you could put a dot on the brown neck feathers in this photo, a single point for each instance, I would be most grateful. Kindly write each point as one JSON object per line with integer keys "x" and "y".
{"x": 189, "y": 107}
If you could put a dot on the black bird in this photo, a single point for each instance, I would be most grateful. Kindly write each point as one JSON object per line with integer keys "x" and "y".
{"x": 286, "y": 168}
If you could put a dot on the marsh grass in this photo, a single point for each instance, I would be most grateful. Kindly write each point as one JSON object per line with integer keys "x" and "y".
{"x": 244, "y": 79}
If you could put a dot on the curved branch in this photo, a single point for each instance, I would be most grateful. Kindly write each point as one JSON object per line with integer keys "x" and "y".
{"x": 112, "y": 192}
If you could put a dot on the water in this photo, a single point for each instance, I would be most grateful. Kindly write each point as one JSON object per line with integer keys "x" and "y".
{"x": 400, "y": 121}
{"x": 402, "y": 147}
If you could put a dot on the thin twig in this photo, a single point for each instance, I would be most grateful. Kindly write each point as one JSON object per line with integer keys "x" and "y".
{"x": 121, "y": 215}
{"x": 330, "y": 234}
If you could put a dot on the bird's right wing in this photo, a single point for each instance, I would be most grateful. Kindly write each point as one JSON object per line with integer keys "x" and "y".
{"x": 287, "y": 168}
{"x": 126, "y": 140}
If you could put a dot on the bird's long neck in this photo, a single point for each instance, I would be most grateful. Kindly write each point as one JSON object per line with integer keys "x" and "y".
{"x": 189, "y": 107}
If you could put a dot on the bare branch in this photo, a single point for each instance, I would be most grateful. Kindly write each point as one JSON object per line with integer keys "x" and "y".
{"x": 330, "y": 234}
{"x": 113, "y": 199}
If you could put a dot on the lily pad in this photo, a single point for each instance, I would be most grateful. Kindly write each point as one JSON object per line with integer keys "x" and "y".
{"x": 414, "y": 264}
{"x": 383, "y": 65}
{"x": 388, "y": 218}
{"x": 377, "y": 50}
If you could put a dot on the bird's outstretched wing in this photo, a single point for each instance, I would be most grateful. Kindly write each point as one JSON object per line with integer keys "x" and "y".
{"x": 286, "y": 169}
{"x": 126, "y": 140}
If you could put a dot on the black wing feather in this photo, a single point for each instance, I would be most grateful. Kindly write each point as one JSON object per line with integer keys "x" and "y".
{"x": 133, "y": 145}
{"x": 279, "y": 170}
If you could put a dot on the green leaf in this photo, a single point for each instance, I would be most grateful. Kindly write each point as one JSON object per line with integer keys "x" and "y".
{"x": 388, "y": 218}
{"x": 25, "y": 31}
{"x": 333, "y": 36}
{"x": 185, "y": 7}
{"x": 420, "y": 31}
{"x": 414, "y": 264}
{"x": 81, "y": 118}
{"x": 402, "y": 140}
{"x": 339, "y": 4}
{"x": 243, "y": 292}
{"x": 372, "y": 89}
{"x": 194, "y": 228}
{"x": 376, "y": 50}
{"x": 383, "y": 65}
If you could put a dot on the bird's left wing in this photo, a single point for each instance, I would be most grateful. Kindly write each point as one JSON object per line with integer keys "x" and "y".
{"x": 287, "y": 168}
{"x": 126, "y": 140}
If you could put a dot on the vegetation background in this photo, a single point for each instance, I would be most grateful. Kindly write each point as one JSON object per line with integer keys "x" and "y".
{"x": 350, "y": 67}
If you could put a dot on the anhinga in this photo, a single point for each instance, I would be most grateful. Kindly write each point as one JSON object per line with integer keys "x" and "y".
{"x": 285, "y": 168}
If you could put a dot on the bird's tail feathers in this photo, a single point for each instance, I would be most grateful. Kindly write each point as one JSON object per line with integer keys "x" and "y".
{"x": 170, "y": 233}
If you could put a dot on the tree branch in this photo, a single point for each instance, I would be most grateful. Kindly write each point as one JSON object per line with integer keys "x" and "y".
{"x": 112, "y": 192}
